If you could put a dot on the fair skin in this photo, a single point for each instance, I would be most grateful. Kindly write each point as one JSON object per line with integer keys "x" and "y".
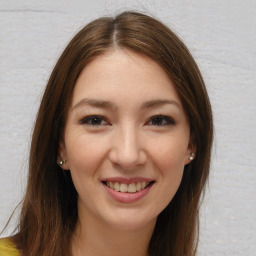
{"x": 126, "y": 142}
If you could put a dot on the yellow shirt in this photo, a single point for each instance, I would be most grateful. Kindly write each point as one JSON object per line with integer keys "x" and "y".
{"x": 7, "y": 248}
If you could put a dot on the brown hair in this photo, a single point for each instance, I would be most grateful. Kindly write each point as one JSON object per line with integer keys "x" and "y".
{"x": 49, "y": 212}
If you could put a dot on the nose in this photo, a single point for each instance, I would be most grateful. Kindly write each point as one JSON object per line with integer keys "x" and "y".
{"x": 126, "y": 148}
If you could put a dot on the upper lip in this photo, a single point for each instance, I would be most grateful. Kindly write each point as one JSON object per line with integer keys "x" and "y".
{"x": 127, "y": 180}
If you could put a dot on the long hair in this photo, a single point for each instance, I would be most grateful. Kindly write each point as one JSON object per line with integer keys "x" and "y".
{"x": 49, "y": 212}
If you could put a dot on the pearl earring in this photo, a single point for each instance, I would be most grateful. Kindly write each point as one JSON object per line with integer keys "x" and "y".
{"x": 62, "y": 162}
{"x": 192, "y": 156}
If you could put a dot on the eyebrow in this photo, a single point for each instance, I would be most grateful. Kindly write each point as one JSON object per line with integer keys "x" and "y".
{"x": 106, "y": 104}
{"x": 159, "y": 102}
{"x": 94, "y": 103}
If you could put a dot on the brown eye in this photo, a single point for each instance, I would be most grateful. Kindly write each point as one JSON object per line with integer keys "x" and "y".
{"x": 94, "y": 120}
{"x": 161, "y": 121}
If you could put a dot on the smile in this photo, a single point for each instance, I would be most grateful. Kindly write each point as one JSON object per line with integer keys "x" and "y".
{"x": 127, "y": 188}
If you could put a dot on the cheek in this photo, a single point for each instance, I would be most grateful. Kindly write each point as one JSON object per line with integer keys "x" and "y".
{"x": 170, "y": 166}
{"x": 84, "y": 154}
{"x": 84, "y": 157}
{"x": 169, "y": 153}
{"x": 168, "y": 159}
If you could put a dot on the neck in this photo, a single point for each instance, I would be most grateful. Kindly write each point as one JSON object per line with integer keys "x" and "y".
{"x": 94, "y": 238}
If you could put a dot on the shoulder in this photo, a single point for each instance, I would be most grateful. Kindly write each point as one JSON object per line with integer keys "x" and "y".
{"x": 7, "y": 248}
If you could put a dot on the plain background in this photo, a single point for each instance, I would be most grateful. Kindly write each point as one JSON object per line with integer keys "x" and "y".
{"x": 222, "y": 37}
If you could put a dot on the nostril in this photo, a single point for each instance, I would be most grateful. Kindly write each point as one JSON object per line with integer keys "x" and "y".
{"x": 127, "y": 155}
{"x": 126, "y": 163}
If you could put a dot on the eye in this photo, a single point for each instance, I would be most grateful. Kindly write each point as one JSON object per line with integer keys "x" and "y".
{"x": 161, "y": 120}
{"x": 94, "y": 120}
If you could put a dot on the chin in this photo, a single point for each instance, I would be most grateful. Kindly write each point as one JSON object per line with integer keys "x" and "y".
{"x": 131, "y": 221}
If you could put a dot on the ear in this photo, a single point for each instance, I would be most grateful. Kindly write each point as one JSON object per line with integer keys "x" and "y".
{"x": 191, "y": 152}
{"x": 62, "y": 157}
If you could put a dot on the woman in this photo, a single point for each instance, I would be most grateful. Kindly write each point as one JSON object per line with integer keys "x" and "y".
{"x": 121, "y": 147}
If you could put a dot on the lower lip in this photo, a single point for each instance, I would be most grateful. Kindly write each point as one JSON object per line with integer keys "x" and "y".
{"x": 127, "y": 197}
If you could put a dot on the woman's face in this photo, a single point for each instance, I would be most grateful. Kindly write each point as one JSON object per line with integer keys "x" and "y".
{"x": 126, "y": 140}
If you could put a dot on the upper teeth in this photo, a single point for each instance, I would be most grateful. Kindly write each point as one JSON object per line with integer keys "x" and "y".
{"x": 127, "y": 188}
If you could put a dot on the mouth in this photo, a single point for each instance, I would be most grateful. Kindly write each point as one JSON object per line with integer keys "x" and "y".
{"x": 128, "y": 187}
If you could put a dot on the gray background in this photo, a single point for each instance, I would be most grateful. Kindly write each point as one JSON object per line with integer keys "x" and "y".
{"x": 222, "y": 37}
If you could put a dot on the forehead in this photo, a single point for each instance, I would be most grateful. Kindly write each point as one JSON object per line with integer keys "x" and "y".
{"x": 125, "y": 75}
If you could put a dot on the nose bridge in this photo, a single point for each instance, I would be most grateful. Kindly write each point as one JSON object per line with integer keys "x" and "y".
{"x": 127, "y": 151}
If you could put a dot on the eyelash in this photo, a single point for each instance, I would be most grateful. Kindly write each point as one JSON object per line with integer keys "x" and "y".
{"x": 88, "y": 120}
{"x": 166, "y": 119}
{"x": 96, "y": 120}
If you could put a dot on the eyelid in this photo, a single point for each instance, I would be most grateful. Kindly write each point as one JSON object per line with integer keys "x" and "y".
{"x": 102, "y": 121}
{"x": 86, "y": 119}
{"x": 170, "y": 120}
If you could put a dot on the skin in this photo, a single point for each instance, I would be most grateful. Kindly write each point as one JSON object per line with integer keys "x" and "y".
{"x": 125, "y": 140}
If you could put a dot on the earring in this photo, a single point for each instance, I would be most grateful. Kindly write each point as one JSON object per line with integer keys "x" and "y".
{"x": 62, "y": 162}
{"x": 192, "y": 156}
